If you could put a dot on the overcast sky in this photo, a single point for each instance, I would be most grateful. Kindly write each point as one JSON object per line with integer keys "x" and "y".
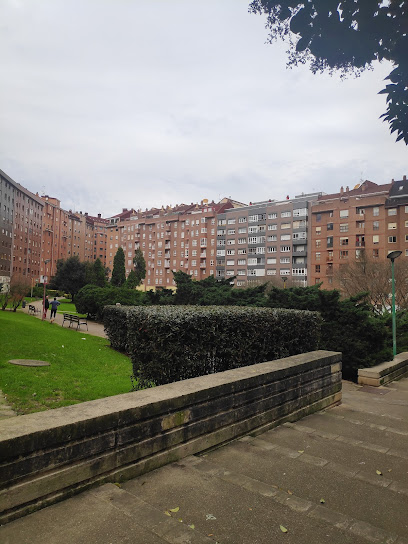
{"x": 107, "y": 104}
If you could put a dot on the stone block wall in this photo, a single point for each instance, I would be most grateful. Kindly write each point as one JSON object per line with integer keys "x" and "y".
{"x": 48, "y": 456}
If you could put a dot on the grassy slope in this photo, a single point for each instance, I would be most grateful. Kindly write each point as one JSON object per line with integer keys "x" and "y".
{"x": 80, "y": 369}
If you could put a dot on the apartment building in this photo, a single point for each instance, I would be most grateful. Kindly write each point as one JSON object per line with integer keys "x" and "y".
{"x": 182, "y": 237}
{"x": 348, "y": 222}
{"x": 264, "y": 241}
{"x": 20, "y": 231}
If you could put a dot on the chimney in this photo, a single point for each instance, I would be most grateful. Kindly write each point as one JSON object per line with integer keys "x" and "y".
{"x": 341, "y": 190}
{"x": 404, "y": 178}
{"x": 124, "y": 210}
{"x": 347, "y": 189}
{"x": 99, "y": 215}
{"x": 86, "y": 214}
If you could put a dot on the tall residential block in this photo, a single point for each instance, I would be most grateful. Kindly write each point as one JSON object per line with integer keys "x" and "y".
{"x": 264, "y": 241}
{"x": 20, "y": 232}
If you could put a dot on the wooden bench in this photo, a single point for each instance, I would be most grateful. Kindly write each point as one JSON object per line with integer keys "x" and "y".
{"x": 33, "y": 310}
{"x": 76, "y": 320}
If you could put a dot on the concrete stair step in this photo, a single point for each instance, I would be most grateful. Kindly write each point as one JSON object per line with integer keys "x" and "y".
{"x": 234, "y": 507}
{"x": 312, "y": 478}
{"x": 83, "y": 519}
{"x": 362, "y": 457}
{"x": 378, "y": 437}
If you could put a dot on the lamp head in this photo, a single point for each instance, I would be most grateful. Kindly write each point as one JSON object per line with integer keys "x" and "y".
{"x": 393, "y": 255}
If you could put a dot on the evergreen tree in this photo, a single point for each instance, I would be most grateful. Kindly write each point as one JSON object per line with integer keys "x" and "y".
{"x": 70, "y": 276}
{"x": 119, "y": 270}
{"x": 139, "y": 267}
{"x": 131, "y": 282}
{"x": 99, "y": 274}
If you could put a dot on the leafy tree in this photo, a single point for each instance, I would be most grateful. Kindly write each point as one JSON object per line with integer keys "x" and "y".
{"x": 139, "y": 264}
{"x": 119, "y": 270}
{"x": 70, "y": 276}
{"x": 347, "y": 36}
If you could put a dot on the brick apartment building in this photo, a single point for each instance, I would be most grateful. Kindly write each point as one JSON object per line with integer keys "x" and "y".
{"x": 171, "y": 239}
{"x": 351, "y": 221}
{"x": 20, "y": 231}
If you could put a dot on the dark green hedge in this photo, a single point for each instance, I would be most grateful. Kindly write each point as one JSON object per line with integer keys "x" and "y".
{"x": 171, "y": 343}
{"x": 91, "y": 300}
{"x": 115, "y": 320}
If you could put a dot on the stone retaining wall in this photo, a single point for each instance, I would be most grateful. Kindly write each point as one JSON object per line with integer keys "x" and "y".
{"x": 48, "y": 456}
{"x": 384, "y": 372}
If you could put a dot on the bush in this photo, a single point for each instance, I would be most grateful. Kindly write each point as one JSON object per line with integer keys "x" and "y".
{"x": 91, "y": 299}
{"x": 170, "y": 343}
{"x": 348, "y": 325}
{"x": 116, "y": 326}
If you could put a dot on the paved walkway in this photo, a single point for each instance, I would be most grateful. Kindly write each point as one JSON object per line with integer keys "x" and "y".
{"x": 338, "y": 477}
{"x": 96, "y": 329}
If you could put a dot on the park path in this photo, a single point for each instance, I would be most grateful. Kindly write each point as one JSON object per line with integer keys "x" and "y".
{"x": 96, "y": 329}
{"x": 339, "y": 476}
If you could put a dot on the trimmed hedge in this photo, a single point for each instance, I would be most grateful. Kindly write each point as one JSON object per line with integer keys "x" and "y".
{"x": 91, "y": 299}
{"x": 171, "y": 343}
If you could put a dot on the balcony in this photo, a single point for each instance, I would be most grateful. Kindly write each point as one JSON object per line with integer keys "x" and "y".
{"x": 166, "y": 264}
{"x": 203, "y": 264}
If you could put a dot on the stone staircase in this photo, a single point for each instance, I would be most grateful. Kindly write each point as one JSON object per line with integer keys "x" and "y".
{"x": 337, "y": 477}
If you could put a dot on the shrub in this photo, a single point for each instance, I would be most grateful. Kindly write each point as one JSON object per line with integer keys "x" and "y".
{"x": 170, "y": 343}
{"x": 116, "y": 327}
{"x": 91, "y": 299}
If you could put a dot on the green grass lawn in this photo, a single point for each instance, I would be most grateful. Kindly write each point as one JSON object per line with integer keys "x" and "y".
{"x": 67, "y": 307}
{"x": 83, "y": 367}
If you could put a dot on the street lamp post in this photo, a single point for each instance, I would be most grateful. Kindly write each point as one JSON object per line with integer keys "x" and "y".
{"x": 392, "y": 256}
{"x": 44, "y": 313}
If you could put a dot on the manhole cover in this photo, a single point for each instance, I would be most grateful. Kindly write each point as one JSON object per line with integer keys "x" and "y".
{"x": 373, "y": 390}
{"x": 28, "y": 362}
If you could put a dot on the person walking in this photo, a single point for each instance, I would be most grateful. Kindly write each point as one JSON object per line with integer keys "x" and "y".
{"x": 54, "y": 305}
{"x": 46, "y": 306}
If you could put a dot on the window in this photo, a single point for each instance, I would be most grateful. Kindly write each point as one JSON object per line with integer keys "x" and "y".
{"x": 284, "y": 260}
{"x": 318, "y": 256}
{"x": 272, "y": 249}
{"x": 272, "y": 238}
{"x": 242, "y": 220}
{"x": 330, "y": 241}
{"x": 231, "y": 221}
{"x": 270, "y": 260}
{"x": 376, "y": 253}
{"x": 376, "y": 225}
{"x": 241, "y": 262}
{"x": 275, "y": 215}
{"x": 273, "y": 226}
{"x": 343, "y": 254}
{"x": 360, "y": 211}
{"x": 271, "y": 272}
{"x": 392, "y": 211}
{"x": 230, "y": 262}
{"x": 343, "y": 227}
{"x": 329, "y": 226}
{"x": 376, "y": 212}
{"x": 317, "y": 269}
{"x": 406, "y": 237}
{"x": 318, "y": 230}
{"x": 344, "y": 241}
{"x": 242, "y": 240}
{"x": 284, "y": 249}
{"x": 318, "y": 217}
{"x": 360, "y": 224}
{"x": 376, "y": 239}
{"x": 242, "y": 230}
{"x": 392, "y": 226}
{"x": 285, "y": 237}
{"x": 285, "y": 226}
{"x": 318, "y": 243}
{"x": 286, "y": 214}
{"x": 392, "y": 239}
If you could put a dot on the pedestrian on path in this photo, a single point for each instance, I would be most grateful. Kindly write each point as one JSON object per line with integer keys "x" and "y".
{"x": 54, "y": 305}
{"x": 46, "y": 306}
